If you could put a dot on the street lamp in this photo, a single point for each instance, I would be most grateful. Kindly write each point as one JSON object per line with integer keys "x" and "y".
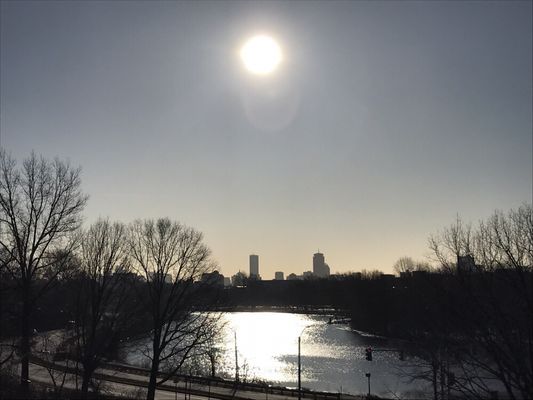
{"x": 236, "y": 359}
{"x": 300, "y": 364}
{"x": 368, "y": 376}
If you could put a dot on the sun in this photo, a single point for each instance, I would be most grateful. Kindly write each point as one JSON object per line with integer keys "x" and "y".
{"x": 261, "y": 55}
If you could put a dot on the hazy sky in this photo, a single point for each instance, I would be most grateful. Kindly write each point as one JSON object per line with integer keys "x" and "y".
{"x": 384, "y": 121}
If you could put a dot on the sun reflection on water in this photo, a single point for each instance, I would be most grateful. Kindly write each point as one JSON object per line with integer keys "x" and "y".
{"x": 269, "y": 341}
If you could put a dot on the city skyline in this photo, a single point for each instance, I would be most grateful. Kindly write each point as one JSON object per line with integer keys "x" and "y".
{"x": 382, "y": 122}
{"x": 317, "y": 268}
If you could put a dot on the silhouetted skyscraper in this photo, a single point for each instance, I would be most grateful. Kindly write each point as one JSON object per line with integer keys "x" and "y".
{"x": 254, "y": 265}
{"x": 318, "y": 262}
{"x": 320, "y": 268}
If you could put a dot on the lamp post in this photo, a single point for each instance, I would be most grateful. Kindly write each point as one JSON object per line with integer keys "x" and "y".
{"x": 299, "y": 371}
{"x": 368, "y": 376}
{"x": 236, "y": 359}
{"x": 300, "y": 364}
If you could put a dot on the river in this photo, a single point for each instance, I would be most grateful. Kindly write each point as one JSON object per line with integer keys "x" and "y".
{"x": 332, "y": 355}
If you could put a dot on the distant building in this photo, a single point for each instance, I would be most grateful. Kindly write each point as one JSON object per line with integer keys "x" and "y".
{"x": 308, "y": 275}
{"x": 129, "y": 276}
{"x": 254, "y": 265}
{"x": 419, "y": 274}
{"x": 227, "y": 281}
{"x": 387, "y": 277}
{"x": 278, "y": 275}
{"x": 239, "y": 279}
{"x": 320, "y": 268}
{"x": 254, "y": 278}
{"x": 156, "y": 276}
{"x": 465, "y": 264}
{"x": 214, "y": 278}
{"x": 293, "y": 277}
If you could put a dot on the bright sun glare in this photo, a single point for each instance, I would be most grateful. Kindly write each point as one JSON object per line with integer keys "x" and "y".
{"x": 261, "y": 55}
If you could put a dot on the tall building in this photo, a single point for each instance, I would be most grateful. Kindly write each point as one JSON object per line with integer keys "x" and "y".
{"x": 254, "y": 266}
{"x": 278, "y": 276}
{"x": 320, "y": 268}
{"x": 318, "y": 263}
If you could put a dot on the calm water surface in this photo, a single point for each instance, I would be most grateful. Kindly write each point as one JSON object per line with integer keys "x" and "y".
{"x": 332, "y": 356}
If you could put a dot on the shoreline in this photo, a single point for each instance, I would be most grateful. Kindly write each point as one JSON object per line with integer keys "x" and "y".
{"x": 311, "y": 310}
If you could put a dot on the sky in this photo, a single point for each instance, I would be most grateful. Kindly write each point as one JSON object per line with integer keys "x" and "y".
{"x": 384, "y": 121}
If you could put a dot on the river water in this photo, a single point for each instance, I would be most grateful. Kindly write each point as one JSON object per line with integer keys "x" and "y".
{"x": 332, "y": 355}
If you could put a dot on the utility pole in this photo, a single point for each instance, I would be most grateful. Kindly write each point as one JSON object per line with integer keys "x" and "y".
{"x": 236, "y": 360}
{"x": 300, "y": 364}
{"x": 299, "y": 371}
{"x": 368, "y": 376}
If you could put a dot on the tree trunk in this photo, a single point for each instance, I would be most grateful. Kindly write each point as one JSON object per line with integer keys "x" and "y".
{"x": 84, "y": 387}
{"x": 86, "y": 379}
{"x": 153, "y": 378}
{"x": 442, "y": 380}
{"x": 212, "y": 359}
{"x": 25, "y": 340}
{"x": 434, "y": 378}
{"x": 154, "y": 370}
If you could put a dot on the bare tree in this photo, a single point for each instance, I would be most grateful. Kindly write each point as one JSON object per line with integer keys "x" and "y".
{"x": 172, "y": 258}
{"x": 8, "y": 341}
{"x": 408, "y": 265}
{"x": 452, "y": 243}
{"x": 40, "y": 207}
{"x": 53, "y": 348}
{"x": 404, "y": 264}
{"x": 495, "y": 313}
{"x": 103, "y": 309}
{"x": 213, "y": 352}
{"x": 371, "y": 274}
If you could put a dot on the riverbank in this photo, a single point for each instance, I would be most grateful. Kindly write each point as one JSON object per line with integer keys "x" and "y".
{"x": 313, "y": 310}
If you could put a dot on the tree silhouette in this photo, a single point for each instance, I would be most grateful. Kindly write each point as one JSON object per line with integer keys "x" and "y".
{"x": 103, "y": 303}
{"x": 172, "y": 258}
{"x": 40, "y": 207}
{"x": 493, "y": 300}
